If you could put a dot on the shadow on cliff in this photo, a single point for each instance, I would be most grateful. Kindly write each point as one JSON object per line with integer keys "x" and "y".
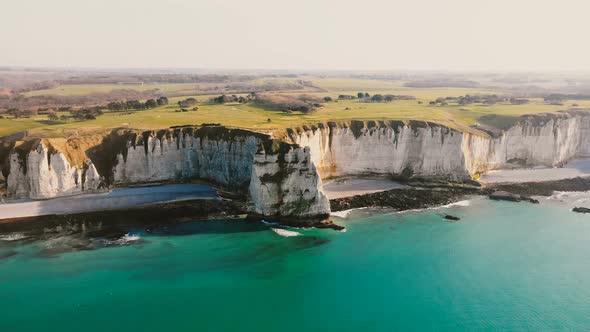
{"x": 104, "y": 155}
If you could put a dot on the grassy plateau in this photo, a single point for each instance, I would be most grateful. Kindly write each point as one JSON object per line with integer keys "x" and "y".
{"x": 250, "y": 116}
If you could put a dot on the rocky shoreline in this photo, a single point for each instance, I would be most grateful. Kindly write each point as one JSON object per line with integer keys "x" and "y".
{"x": 545, "y": 188}
{"x": 423, "y": 194}
{"x": 419, "y": 194}
{"x": 404, "y": 198}
{"x": 153, "y": 218}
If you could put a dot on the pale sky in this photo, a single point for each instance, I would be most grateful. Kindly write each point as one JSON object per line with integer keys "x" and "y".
{"x": 302, "y": 34}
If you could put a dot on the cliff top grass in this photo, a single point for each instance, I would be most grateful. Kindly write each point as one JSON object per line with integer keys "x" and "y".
{"x": 250, "y": 116}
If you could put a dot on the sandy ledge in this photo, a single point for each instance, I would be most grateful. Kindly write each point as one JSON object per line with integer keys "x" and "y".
{"x": 348, "y": 187}
{"x": 576, "y": 168}
{"x": 116, "y": 199}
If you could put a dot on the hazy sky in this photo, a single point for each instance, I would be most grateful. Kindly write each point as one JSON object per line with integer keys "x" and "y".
{"x": 309, "y": 34}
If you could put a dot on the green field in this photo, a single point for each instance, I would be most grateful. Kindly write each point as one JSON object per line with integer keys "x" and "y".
{"x": 250, "y": 116}
{"x": 86, "y": 89}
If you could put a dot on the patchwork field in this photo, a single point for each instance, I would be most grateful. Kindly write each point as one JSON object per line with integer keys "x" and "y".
{"x": 249, "y": 115}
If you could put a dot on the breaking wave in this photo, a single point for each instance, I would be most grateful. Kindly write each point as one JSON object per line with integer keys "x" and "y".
{"x": 459, "y": 203}
{"x": 344, "y": 214}
{"x": 125, "y": 240}
{"x": 285, "y": 233}
{"x": 570, "y": 196}
{"x": 270, "y": 223}
{"x": 13, "y": 237}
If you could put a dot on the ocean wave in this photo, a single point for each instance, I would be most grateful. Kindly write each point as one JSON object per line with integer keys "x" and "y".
{"x": 570, "y": 196}
{"x": 270, "y": 223}
{"x": 125, "y": 240}
{"x": 285, "y": 233}
{"x": 13, "y": 237}
{"x": 459, "y": 203}
{"x": 344, "y": 214}
{"x": 462, "y": 203}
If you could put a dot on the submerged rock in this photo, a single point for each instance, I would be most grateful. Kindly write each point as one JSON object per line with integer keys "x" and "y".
{"x": 581, "y": 210}
{"x": 451, "y": 218}
{"x": 506, "y": 196}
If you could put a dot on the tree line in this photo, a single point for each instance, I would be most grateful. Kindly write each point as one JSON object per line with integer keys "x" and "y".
{"x": 136, "y": 104}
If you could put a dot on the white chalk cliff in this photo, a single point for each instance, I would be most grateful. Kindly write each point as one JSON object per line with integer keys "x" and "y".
{"x": 42, "y": 174}
{"x": 431, "y": 150}
{"x": 283, "y": 177}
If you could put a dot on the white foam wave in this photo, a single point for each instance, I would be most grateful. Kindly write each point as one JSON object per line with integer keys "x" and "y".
{"x": 126, "y": 239}
{"x": 341, "y": 214}
{"x": 271, "y": 223}
{"x": 459, "y": 203}
{"x": 570, "y": 197}
{"x": 284, "y": 232}
{"x": 344, "y": 214}
{"x": 12, "y": 237}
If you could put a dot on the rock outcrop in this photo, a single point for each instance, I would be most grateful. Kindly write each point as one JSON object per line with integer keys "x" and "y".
{"x": 279, "y": 177}
{"x": 286, "y": 184}
{"x": 510, "y": 197}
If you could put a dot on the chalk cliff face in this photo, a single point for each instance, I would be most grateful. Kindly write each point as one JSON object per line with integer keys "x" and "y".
{"x": 430, "y": 150}
{"x": 280, "y": 178}
{"x": 286, "y": 185}
{"x": 283, "y": 177}
{"x": 546, "y": 139}
{"x": 224, "y": 160}
{"x": 42, "y": 174}
{"x": 384, "y": 147}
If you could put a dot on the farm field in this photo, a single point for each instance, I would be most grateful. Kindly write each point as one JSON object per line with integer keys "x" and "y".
{"x": 86, "y": 89}
{"x": 251, "y": 116}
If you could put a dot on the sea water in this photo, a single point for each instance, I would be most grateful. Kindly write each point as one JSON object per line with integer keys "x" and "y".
{"x": 503, "y": 266}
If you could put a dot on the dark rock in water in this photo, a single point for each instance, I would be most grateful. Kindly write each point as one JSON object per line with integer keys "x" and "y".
{"x": 581, "y": 210}
{"x": 506, "y": 196}
{"x": 330, "y": 225}
{"x": 545, "y": 188}
{"x": 7, "y": 254}
{"x": 451, "y": 218}
{"x": 403, "y": 199}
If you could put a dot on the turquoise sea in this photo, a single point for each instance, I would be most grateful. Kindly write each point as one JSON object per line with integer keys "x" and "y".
{"x": 504, "y": 266}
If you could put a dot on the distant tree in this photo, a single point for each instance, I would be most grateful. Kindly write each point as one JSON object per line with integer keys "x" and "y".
{"x": 52, "y": 116}
{"x": 360, "y": 95}
{"x": 327, "y": 99}
{"x": 377, "y": 98}
{"x": 151, "y": 103}
{"x": 519, "y": 101}
{"x": 134, "y": 105}
{"x": 367, "y": 95}
{"x": 188, "y": 102}
{"x": 162, "y": 101}
{"x": 555, "y": 99}
{"x": 14, "y": 112}
{"x": 115, "y": 106}
{"x": 86, "y": 114}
